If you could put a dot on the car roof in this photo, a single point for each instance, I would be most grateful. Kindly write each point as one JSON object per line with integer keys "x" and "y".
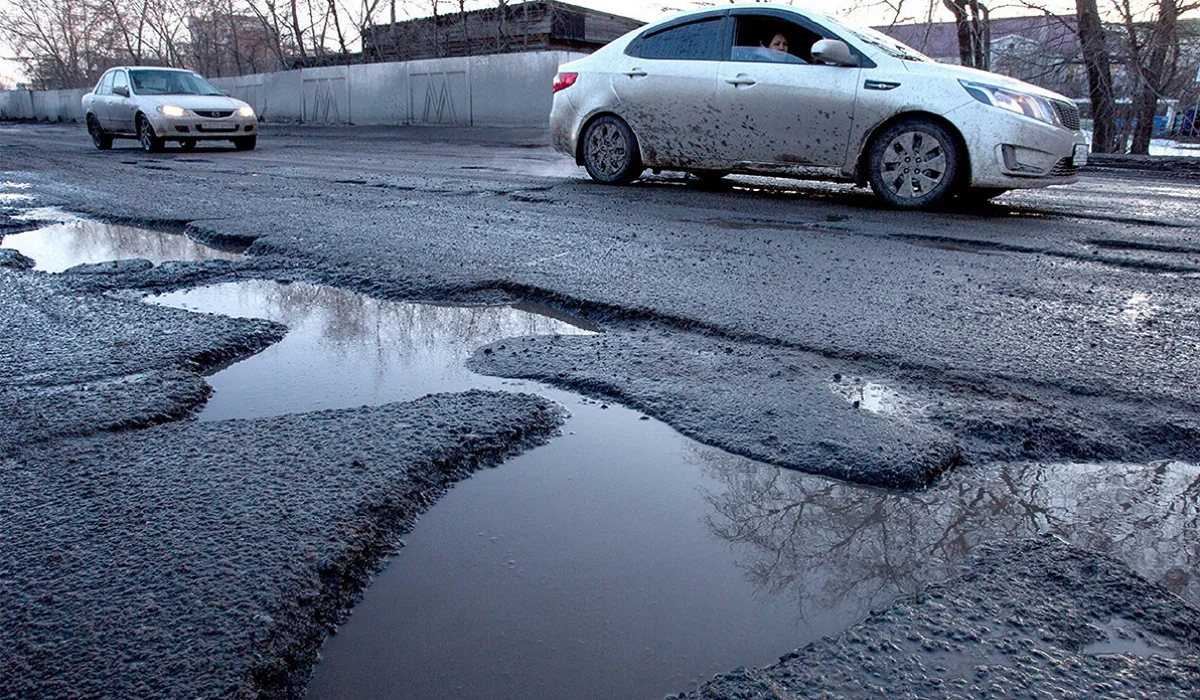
{"x": 177, "y": 70}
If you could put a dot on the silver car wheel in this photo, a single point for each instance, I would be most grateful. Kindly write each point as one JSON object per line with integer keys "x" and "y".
{"x": 914, "y": 163}
{"x": 608, "y": 148}
{"x": 610, "y": 151}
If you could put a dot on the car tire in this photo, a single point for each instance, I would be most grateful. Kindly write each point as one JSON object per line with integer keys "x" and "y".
{"x": 101, "y": 140}
{"x": 187, "y": 145}
{"x": 610, "y": 151}
{"x": 913, "y": 164}
{"x": 147, "y": 138}
{"x": 245, "y": 143}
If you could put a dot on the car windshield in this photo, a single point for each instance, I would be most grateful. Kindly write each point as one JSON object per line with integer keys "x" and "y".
{"x": 884, "y": 43}
{"x": 170, "y": 82}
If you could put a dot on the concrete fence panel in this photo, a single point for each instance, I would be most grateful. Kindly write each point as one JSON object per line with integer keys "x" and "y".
{"x": 379, "y": 93}
{"x": 17, "y": 104}
{"x": 326, "y": 95}
{"x": 440, "y": 91}
{"x": 514, "y": 89}
{"x": 501, "y": 90}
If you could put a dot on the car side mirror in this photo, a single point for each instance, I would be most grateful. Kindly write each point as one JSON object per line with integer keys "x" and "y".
{"x": 122, "y": 91}
{"x": 833, "y": 52}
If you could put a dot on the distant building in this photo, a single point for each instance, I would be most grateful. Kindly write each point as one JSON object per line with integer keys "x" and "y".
{"x": 542, "y": 25}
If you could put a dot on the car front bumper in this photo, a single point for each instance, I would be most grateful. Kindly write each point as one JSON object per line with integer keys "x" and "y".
{"x": 1010, "y": 151}
{"x": 192, "y": 127}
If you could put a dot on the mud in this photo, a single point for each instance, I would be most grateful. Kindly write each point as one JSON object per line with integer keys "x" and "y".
{"x": 1027, "y": 619}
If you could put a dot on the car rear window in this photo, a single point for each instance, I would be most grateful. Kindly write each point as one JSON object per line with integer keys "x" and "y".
{"x": 702, "y": 40}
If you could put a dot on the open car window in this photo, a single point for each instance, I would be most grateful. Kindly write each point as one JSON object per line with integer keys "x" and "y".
{"x": 771, "y": 39}
{"x": 170, "y": 82}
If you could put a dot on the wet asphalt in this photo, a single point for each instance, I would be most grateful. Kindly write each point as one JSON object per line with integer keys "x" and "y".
{"x": 1050, "y": 325}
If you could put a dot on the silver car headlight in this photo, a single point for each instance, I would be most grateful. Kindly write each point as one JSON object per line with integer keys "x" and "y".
{"x": 172, "y": 111}
{"x": 246, "y": 111}
{"x": 1022, "y": 103}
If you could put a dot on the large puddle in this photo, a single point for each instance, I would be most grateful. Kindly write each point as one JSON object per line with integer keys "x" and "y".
{"x": 622, "y": 559}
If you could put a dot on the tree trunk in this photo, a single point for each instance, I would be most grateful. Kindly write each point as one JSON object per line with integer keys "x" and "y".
{"x": 1154, "y": 78}
{"x": 1099, "y": 75}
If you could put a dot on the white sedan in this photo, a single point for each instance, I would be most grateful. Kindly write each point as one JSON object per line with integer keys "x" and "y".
{"x": 156, "y": 105}
{"x": 779, "y": 91}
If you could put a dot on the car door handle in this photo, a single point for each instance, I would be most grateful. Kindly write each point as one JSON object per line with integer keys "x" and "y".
{"x": 741, "y": 79}
{"x": 636, "y": 73}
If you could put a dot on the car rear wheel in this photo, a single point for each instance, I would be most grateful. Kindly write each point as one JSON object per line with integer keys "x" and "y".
{"x": 187, "y": 145}
{"x": 245, "y": 143}
{"x": 610, "y": 151}
{"x": 913, "y": 164}
{"x": 100, "y": 139}
{"x": 147, "y": 138}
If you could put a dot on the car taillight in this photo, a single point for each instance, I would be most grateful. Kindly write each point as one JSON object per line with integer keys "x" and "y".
{"x": 562, "y": 81}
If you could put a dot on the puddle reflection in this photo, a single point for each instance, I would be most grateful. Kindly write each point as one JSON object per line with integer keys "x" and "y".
{"x": 831, "y": 545}
{"x": 345, "y": 349}
{"x": 622, "y": 544}
{"x": 67, "y": 244}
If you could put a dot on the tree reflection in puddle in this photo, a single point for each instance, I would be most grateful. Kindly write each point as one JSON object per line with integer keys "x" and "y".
{"x": 345, "y": 349}
{"x": 836, "y": 545}
{"x": 66, "y": 244}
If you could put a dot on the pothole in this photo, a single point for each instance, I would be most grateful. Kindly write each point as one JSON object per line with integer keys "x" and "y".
{"x": 623, "y": 545}
{"x": 63, "y": 245}
{"x": 624, "y": 560}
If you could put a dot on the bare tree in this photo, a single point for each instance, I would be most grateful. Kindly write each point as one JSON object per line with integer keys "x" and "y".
{"x": 1094, "y": 50}
{"x": 974, "y": 32}
{"x": 1152, "y": 35}
{"x": 58, "y": 42}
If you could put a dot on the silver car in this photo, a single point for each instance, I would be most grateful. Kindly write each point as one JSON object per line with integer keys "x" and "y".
{"x": 780, "y": 91}
{"x": 156, "y": 105}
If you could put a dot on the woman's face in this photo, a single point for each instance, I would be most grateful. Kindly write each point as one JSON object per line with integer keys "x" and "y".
{"x": 779, "y": 43}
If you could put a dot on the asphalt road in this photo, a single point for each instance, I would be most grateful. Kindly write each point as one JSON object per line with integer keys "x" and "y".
{"x": 1056, "y": 325}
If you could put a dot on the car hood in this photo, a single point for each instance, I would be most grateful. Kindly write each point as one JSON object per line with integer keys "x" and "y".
{"x": 945, "y": 70}
{"x": 193, "y": 102}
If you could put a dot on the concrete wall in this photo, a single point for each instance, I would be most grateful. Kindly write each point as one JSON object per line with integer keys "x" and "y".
{"x": 500, "y": 90}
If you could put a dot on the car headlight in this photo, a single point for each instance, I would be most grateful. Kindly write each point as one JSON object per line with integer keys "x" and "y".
{"x": 1018, "y": 102}
{"x": 172, "y": 111}
{"x": 245, "y": 111}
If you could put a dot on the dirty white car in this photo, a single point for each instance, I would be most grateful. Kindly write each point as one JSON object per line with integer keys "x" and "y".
{"x": 780, "y": 91}
{"x": 156, "y": 105}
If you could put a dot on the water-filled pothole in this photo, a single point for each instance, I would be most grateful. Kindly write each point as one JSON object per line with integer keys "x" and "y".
{"x": 622, "y": 559}
{"x": 72, "y": 242}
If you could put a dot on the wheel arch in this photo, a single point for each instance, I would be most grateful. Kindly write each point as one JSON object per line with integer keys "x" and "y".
{"x": 861, "y": 167}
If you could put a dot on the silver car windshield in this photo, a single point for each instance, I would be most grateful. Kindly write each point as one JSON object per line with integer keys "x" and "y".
{"x": 170, "y": 82}
{"x": 884, "y": 43}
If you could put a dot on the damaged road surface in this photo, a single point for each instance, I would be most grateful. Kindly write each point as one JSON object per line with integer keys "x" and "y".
{"x": 864, "y": 366}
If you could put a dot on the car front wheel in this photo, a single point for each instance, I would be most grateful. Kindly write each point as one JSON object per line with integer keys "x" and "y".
{"x": 913, "y": 164}
{"x": 100, "y": 139}
{"x": 147, "y": 138}
{"x": 610, "y": 151}
{"x": 245, "y": 143}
